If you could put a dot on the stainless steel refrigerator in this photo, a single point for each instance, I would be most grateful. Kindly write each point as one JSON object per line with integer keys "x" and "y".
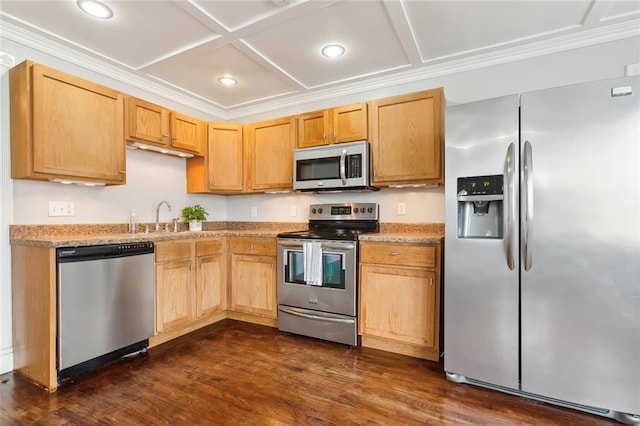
{"x": 542, "y": 246}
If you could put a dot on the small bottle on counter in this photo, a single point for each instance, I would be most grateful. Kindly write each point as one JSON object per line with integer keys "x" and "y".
{"x": 133, "y": 222}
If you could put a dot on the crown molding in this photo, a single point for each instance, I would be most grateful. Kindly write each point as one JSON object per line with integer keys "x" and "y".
{"x": 530, "y": 50}
{"x": 438, "y": 67}
{"x": 35, "y": 41}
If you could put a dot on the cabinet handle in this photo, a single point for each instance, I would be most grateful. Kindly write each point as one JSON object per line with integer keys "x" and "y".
{"x": 164, "y": 135}
{"x": 174, "y": 138}
{"x": 430, "y": 282}
{"x": 394, "y": 253}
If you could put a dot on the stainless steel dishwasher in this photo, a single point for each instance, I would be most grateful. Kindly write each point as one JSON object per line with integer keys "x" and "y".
{"x": 105, "y": 304}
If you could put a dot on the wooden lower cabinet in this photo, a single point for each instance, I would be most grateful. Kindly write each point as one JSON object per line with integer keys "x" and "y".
{"x": 399, "y": 307}
{"x": 190, "y": 286}
{"x": 253, "y": 280}
{"x": 211, "y": 277}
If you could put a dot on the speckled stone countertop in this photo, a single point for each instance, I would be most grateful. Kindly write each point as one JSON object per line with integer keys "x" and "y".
{"x": 91, "y": 234}
{"x": 427, "y": 233}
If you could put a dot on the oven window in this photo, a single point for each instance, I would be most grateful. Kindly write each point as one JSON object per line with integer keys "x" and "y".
{"x": 332, "y": 271}
{"x": 319, "y": 168}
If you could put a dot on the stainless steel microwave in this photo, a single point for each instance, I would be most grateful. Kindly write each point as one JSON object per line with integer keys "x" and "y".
{"x": 338, "y": 167}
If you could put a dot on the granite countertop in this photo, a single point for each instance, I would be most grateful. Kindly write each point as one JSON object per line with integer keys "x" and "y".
{"x": 93, "y": 234}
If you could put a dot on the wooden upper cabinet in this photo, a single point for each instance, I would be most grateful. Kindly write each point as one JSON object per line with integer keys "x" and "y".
{"x": 187, "y": 133}
{"x": 336, "y": 125}
{"x": 313, "y": 128}
{"x": 407, "y": 139}
{"x": 269, "y": 155}
{"x": 65, "y": 127}
{"x": 156, "y": 125}
{"x": 148, "y": 122}
{"x": 221, "y": 169}
{"x": 350, "y": 123}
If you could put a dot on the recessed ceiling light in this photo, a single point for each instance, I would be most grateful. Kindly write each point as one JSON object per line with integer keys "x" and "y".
{"x": 333, "y": 50}
{"x": 95, "y": 8}
{"x": 227, "y": 80}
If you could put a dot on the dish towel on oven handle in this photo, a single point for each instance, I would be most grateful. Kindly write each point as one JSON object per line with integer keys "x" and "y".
{"x": 312, "y": 253}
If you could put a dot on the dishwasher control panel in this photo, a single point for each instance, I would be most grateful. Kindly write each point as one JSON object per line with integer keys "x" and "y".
{"x": 73, "y": 254}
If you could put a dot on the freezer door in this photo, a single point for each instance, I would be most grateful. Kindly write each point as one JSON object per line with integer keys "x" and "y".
{"x": 481, "y": 274}
{"x": 581, "y": 245}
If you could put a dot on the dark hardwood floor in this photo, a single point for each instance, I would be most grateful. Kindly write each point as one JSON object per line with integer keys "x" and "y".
{"x": 235, "y": 373}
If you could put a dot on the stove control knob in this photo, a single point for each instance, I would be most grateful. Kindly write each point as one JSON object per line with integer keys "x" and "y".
{"x": 320, "y": 211}
{"x": 313, "y": 211}
{"x": 370, "y": 209}
{"x": 355, "y": 210}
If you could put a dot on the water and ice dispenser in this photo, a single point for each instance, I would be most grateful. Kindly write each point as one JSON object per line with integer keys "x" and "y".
{"x": 480, "y": 207}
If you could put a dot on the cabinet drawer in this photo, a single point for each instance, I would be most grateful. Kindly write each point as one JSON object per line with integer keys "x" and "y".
{"x": 261, "y": 245}
{"x": 174, "y": 250}
{"x": 398, "y": 254}
{"x": 207, "y": 247}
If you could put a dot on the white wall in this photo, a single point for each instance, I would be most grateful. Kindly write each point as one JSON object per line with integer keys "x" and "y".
{"x": 152, "y": 178}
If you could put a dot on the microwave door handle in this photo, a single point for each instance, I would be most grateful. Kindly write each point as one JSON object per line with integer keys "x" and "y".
{"x": 343, "y": 172}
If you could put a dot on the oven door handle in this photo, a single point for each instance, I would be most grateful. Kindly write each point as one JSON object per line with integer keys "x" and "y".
{"x": 337, "y": 246}
{"x": 318, "y": 316}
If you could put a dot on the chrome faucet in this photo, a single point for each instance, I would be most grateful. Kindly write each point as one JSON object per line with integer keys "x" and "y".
{"x": 158, "y": 213}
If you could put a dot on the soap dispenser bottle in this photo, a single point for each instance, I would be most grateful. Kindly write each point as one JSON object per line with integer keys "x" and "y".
{"x": 133, "y": 222}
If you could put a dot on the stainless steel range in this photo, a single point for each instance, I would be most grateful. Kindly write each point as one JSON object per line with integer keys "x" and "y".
{"x": 317, "y": 272}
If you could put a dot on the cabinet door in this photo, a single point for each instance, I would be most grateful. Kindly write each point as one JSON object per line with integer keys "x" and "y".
{"x": 78, "y": 128}
{"x": 253, "y": 285}
{"x": 225, "y": 157}
{"x": 187, "y": 133}
{"x": 314, "y": 128}
{"x": 174, "y": 293}
{"x": 210, "y": 284}
{"x": 148, "y": 122}
{"x": 349, "y": 123}
{"x": 399, "y": 304}
{"x": 271, "y": 145}
{"x": 407, "y": 140}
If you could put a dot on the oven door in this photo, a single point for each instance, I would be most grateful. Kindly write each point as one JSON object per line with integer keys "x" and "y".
{"x": 336, "y": 294}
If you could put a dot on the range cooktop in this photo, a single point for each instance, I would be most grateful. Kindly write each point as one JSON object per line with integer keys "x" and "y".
{"x": 339, "y": 221}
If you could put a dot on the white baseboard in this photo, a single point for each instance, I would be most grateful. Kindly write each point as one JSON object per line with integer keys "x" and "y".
{"x": 6, "y": 360}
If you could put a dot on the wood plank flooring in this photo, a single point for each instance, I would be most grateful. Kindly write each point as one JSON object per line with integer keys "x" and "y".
{"x": 235, "y": 373}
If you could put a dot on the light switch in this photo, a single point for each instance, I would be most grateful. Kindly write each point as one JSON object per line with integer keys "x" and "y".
{"x": 254, "y": 211}
{"x": 401, "y": 209}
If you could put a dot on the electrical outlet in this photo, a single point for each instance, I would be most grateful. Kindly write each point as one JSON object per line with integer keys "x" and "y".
{"x": 254, "y": 211}
{"x": 632, "y": 69}
{"x": 61, "y": 208}
{"x": 402, "y": 209}
{"x": 293, "y": 211}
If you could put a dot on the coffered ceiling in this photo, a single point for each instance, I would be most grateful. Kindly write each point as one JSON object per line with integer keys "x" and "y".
{"x": 273, "y": 47}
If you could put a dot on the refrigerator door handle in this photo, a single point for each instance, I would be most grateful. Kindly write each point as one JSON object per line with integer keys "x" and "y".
{"x": 509, "y": 200}
{"x": 528, "y": 206}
